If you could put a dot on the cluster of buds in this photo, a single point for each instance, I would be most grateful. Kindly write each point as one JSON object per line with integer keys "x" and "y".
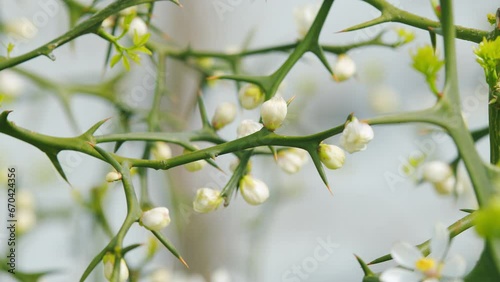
{"x": 136, "y": 25}
{"x": 441, "y": 176}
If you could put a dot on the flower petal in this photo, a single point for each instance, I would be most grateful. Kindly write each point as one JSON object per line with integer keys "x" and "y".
{"x": 405, "y": 254}
{"x": 454, "y": 267}
{"x": 439, "y": 242}
{"x": 400, "y": 275}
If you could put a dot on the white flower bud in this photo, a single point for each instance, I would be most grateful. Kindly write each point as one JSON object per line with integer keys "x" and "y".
{"x": 155, "y": 219}
{"x": 207, "y": 200}
{"x": 445, "y": 187}
{"x": 26, "y": 220}
{"x": 161, "y": 151}
{"x": 273, "y": 112}
{"x": 113, "y": 176}
{"x": 253, "y": 190}
{"x": 161, "y": 275}
{"x": 10, "y": 83}
{"x": 251, "y": 96}
{"x": 436, "y": 172}
{"x": 224, "y": 115}
{"x": 139, "y": 26}
{"x": 383, "y": 99}
{"x": 331, "y": 156}
{"x": 291, "y": 160}
{"x": 304, "y": 17}
{"x": 25, "y": 200}
{"x": 109, "y": 262}
{"x": 220, "y": 275}
{"x": 356, "y": 136}
{"x": 248, "y": 127}
{"x": 129, "y": 11}
{"x": 344, "y": 69}
{"x": 108, "y": 22}
{"x": 21, "y": 27}
{"x": 196, "y": 165}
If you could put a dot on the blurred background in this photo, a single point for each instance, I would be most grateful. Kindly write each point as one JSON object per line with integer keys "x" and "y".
{"x": 374, "y": 204}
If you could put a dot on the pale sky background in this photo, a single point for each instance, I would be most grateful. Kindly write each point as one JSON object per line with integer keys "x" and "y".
{"x": 365, "y": 216}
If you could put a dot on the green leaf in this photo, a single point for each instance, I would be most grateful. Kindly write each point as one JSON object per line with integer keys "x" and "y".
{"x": 116, "y": 58}
{"x": 126, "y": 63}
{"x": 140, "y": 41}
{"x": 134, "y": 57}
{"x": 143, "y": 49}
{"x": 485, "y": 269}
{"x": 427, "y": 62}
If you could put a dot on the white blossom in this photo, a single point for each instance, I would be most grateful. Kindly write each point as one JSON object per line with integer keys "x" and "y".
{"x": 248, "y": 127}
{"x": 291, "y": 160}
{"x": 207, "y": 200}
{"x": 155, "y": 219}
{"x": 109, "y": 261}
{"x": 356, "y": 136}
{"x": 416, "y": 267}
{"x": 139, "y": 26}
{"x": 161, "y": 151}
{"x": 10, "y": 83}
{"x": 225, "y": 113}
{"x": 344, "y": 69}
{"x": 331, "y": 156}
{"x": 113, "y": 176}
{"x": 304, "y": 17}
{"x": 253, "y": 190}
{"x": 250, "y": 96}
{"x": 273, "y": 112}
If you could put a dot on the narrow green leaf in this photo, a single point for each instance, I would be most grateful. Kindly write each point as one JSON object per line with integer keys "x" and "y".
{"x": 126, "y": 63}
{"x": 116, "y": 58}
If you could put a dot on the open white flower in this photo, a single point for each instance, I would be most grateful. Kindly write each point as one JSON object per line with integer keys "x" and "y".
{"x": 207, "y": 200}
{"x": 356, "y": 136}
{"x": 248, "y": 127}
{"x": 304, "y": 17}
{"x": 109, "y": 261}
{"x": 415, "y": 267}
{"x": 155, "y": 219}
{"x": 273, "y": 112}
{"x": 291, "y": 160}
{"x": 224, "y": 115}
{"x": 22, "y": 28}
{"x": 344, "y": 69}
{"x": 253, "y": 190}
